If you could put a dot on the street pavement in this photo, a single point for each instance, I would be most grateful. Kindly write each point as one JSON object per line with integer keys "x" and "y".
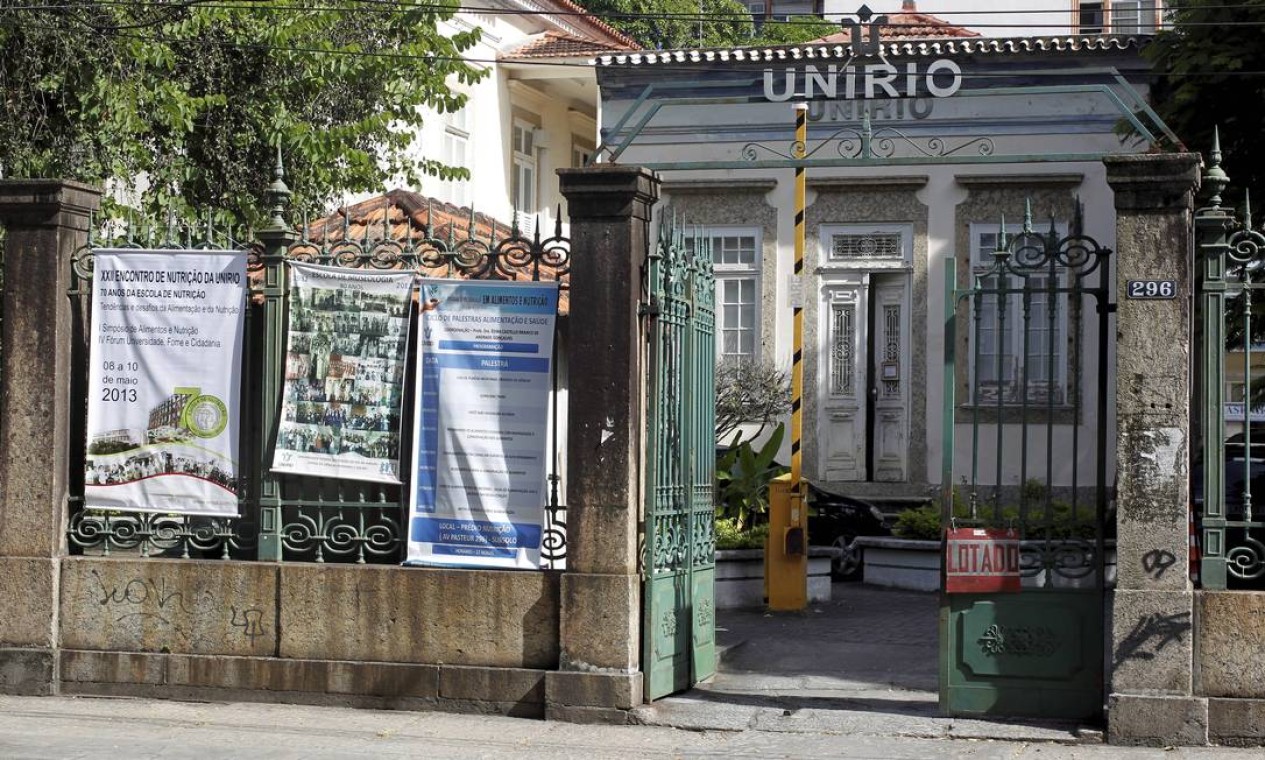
{"x": 65, "y": 728}
{"x": 854, "y": 678}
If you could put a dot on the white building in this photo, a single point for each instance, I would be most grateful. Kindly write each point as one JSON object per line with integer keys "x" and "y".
{"x": 1034, "y": 115}
{"x": 533, "y": 112}
{"x": 1017, "y": 18}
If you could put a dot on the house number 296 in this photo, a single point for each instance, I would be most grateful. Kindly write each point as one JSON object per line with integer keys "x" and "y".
{"x": 1151, "y": 289}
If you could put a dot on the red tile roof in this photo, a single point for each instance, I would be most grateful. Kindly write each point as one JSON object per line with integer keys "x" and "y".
{"x": 909, "y": 24}
{"x": 560, "y": 45}
{"x": 407, "y": 217}
{"x": 582, "y": 14}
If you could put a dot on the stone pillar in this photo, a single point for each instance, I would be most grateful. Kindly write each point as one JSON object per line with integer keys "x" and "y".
{"x": 1151, "y": 654}
{"x": 45, "y": 221}
{"x": 599, "y": 676}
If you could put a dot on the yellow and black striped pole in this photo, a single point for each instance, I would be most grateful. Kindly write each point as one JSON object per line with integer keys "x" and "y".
{"x": 797, "y": 304}
{"x": 786, "y": 554}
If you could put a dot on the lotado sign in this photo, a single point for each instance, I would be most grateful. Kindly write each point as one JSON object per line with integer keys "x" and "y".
{"x": 940, "y": 79}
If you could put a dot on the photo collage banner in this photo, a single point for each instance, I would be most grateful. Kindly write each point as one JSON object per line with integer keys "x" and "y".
{"x": 344, "y": 373}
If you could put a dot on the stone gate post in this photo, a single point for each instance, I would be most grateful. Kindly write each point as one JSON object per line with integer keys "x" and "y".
{"x": 599, "y": 676}
{"x": 1151, "y": 649}
{"x": 45, "y": 221}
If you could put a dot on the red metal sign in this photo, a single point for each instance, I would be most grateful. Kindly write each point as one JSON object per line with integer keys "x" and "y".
{"x": 982, "y": 561}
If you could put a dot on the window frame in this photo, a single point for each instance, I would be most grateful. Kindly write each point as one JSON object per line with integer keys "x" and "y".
{"x": 1079, "y": 11}
{"x": 520, "y": 162}
{"x": 731, "y": 272}
{"x": 1136, "y": 7}
{"x": 456, "y": 131}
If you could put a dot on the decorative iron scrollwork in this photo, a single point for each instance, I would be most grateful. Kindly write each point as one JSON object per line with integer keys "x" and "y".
{"x": 868, "y": 143}
{"x": 1019, "y": 641}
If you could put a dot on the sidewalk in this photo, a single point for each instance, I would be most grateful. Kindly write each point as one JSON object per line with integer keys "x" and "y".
{"x": 64, "y": 728}
{"x": 863, "y": 665}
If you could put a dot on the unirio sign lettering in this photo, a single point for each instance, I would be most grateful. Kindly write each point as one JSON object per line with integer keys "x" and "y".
{"x": 940, "y": 79}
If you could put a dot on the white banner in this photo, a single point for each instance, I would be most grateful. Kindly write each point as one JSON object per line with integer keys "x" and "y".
{"x": 165, "y": 357}
{"x": 481, "y": 423}
{"x": 344, "y": 377}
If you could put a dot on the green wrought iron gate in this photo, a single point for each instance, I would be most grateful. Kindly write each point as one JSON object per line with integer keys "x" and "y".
{"x": 1228, "y": 465}
{"x": 679, "y": 568}
{"x": 1026, "y": 410}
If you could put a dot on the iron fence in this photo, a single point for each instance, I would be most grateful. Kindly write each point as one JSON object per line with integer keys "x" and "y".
{"x": 1230, "y": 257}
{"x": 289, "y": 517}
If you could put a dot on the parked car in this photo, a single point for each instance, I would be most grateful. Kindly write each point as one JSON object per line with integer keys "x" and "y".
{"x": 835, "y": 519}
{"x": 1237, "y": 462}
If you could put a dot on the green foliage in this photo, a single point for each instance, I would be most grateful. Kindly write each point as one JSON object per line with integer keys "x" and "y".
{"x": 673, "y": 24}
{"x": 924, "y": 523}
{"x": 749, "y": 392}
{"x": 796, "y": 30}
{"x": 677, "y": 23}
{"x": 742, "y": 478}
{"x": 1207, "y": 62}
{"x": 729, "y": 535}
{"x": 195, "y": 98}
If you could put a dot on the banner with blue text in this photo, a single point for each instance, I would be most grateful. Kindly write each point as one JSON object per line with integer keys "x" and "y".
{"x": 481, "y": 423}
{"x": 165, "y": 357}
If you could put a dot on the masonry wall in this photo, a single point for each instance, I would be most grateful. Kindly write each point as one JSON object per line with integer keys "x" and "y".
{"x": 368, "y": 636}
{"x": 528, "y": 644}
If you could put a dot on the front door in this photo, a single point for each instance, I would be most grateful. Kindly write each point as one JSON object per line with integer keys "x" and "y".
{"x": 863, "y": 376}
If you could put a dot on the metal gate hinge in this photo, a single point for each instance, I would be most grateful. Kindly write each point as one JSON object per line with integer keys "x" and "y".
{"x": 644, "y": 308}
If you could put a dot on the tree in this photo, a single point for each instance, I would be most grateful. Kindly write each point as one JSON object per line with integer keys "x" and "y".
{"x": 673, "y": 24}
{"x": 749, "y": 393}
{"x": 194, "y": 99}
{"x": 1210, "y": 63}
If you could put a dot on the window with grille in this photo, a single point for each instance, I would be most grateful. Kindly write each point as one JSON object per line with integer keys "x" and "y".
{"x": 736, "y": 261}
{"x": 1126, "y": 17}
{"x": 865, "y": 245}
{"x": 1020, "y": 356}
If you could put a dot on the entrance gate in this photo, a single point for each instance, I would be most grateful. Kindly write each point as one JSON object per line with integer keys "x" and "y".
{"x": 679, "y": 610}
{"x": 1026, "y": 382}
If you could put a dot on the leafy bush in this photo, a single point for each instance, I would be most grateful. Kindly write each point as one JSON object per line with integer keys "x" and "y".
{"x": 730, "y": 536}
{"x": 924, "y": 524}
{"x": 742, "y": 479}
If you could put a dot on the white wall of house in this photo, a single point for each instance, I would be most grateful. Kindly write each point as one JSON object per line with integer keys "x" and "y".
{"x": 1016, "y": 18}
{"x": 528, "y": 118}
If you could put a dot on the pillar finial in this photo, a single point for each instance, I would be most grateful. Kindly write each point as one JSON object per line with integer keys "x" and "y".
{"x": 278, "y": 194}
{"x": 1214, "y": 178}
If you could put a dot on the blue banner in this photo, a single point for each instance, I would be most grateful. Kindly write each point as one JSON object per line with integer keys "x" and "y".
{"x": 485, "y": 352}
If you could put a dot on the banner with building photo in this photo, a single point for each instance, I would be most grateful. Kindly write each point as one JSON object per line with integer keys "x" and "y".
{"x": 165, "y": 352}
{"x": 481, "y": 423}
{"x": 344, "y": 373}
